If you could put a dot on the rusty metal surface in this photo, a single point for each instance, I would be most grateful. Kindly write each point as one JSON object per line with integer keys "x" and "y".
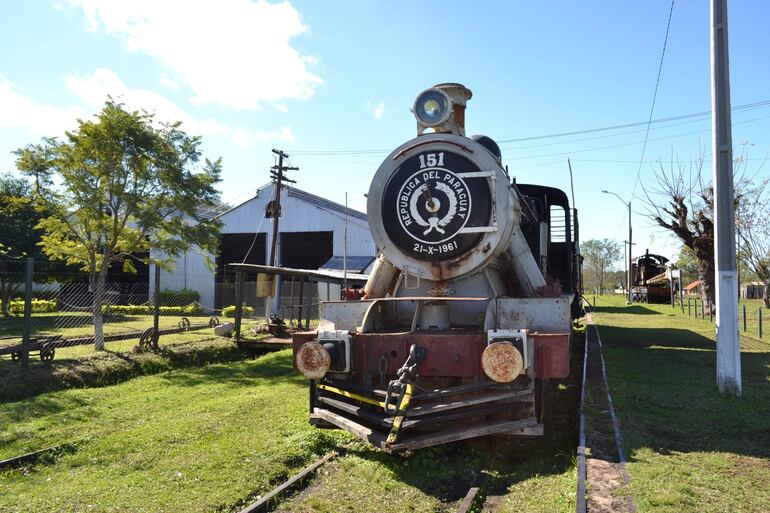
{"x": 312, "y": 360}
{"x": 551, "y": 355}
{"x": 454, "y": 353}
{"x": 502, "y": 362}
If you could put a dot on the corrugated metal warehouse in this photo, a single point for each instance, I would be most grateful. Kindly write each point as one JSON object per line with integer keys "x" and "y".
{"x": 311, "y": 234}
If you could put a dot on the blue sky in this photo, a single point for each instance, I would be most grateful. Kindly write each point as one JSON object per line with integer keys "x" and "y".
{"x": 316, "y": 77}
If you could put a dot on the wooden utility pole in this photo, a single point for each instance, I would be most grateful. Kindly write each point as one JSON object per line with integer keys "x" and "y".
{"x": 728, "y": 341}
{"x": 277, "y": 173}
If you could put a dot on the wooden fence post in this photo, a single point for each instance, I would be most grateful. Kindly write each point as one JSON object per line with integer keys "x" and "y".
{"x": 239, "y": 284}
{"x": 27, "y": 313}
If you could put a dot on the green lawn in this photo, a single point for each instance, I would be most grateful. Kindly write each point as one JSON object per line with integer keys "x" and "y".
{"x": 204, "y": 439}
{"x": 689, "y": 448}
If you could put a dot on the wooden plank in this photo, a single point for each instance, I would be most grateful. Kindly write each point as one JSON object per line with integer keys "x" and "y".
{"x": 430, "y": 408}
{"x": 536, "y": 430}
{"x": 465, "y": 505}
{"x": 358, "y": 411}
{"x": 453, "y": 415}
{"x": 353, "y": 427}
{"x": 444, "y": 437}
{"x": 262, "y": 503}
{"x": 34, "y": 455}
{"x": 387, "y": 421}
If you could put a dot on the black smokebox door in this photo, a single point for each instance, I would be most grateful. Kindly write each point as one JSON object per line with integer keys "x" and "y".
{"x": 428, "y": 203}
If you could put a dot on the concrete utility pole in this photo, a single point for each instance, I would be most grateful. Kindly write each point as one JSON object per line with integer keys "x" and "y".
{"x": 630, "y": 243}
{"x": 276, "y": 172}
{"x": 728, "y": 342}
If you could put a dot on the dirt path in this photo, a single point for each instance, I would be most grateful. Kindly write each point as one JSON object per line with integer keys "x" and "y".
{"x": 608, "y": 483}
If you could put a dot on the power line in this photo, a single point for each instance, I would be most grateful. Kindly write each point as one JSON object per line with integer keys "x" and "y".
{"x": 747, "y": 106}
{"x": 654, "y": 97}
{"x": 682, "y": 134}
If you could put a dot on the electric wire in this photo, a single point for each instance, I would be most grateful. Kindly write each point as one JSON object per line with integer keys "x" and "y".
{"x": 747, "y": 106}
{"x": 654, "y": 98}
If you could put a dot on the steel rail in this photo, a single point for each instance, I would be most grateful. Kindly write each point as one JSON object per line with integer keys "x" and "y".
{"x": 263, "y": 503}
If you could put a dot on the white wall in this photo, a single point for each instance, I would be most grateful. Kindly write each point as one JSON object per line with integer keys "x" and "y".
{"x": 297, "y": 216}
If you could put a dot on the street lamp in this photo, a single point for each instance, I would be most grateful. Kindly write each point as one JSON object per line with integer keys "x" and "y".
{"x": 629, "y": 240}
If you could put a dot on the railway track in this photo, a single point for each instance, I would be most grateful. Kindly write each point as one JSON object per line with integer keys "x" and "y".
{"x": 271, "y": 499}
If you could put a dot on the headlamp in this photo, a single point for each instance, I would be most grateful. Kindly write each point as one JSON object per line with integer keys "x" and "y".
{"x": 432, "y": 107}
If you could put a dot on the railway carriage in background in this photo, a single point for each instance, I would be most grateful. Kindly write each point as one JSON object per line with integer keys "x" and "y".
{"x": 468, "y": 310}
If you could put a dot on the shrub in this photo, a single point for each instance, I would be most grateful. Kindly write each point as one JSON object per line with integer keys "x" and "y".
{"x": 16, "y": 306}
{"x": 179, "y": 297}
{"x": 191, "y": 309}
{"x": 229, "y": 311}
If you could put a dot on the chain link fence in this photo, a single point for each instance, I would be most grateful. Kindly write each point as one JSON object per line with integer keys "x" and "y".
{"x": 49, "y": 314}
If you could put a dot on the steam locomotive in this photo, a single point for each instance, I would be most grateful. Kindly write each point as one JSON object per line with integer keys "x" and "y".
{"x": 468, "y": 310}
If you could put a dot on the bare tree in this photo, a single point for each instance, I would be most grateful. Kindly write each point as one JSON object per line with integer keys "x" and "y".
{"x": 680, "y": 200}
{"x": 754, "y": 234}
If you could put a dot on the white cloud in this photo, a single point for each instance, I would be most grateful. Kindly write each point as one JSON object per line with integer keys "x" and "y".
{"x": 235, "y": 53}
{"x": 376, "y": 110}
{"x": 281, "y": 107}
{"x": 169, "y": 83}
{"x": 96, "y": 87}
{"x": 22, "y": 112}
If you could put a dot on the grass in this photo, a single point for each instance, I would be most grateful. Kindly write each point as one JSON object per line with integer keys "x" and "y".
{"x": 205, "y": 439}
{"x": 690, "y": 449}
{"x": 98, "y": 369}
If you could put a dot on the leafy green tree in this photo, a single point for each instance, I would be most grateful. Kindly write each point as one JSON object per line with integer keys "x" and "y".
{"x": 599, "y": 256}
{"x": 20, "y": 239}
{"x": 121, "y": 184}
{"x": 18, "y": 236}
{"x": 688, "y": 264}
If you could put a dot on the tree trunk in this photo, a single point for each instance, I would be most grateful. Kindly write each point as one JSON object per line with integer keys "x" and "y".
{"x": 766, "y": 294}
{"x": 706, "y": 274}
{"x": 7, "y": 293}
{"x": 99, "y": 283}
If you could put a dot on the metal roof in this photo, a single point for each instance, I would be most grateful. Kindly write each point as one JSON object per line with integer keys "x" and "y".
{"x": 310, "y": 274}
{"x": 309, "y": 198}
{"x": 356, "y": 264}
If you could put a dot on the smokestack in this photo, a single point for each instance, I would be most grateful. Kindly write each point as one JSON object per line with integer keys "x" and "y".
{"x": 459, "y": 94}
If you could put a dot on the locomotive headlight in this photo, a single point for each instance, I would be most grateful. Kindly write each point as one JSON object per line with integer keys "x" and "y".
{"x": 432, "y": 107}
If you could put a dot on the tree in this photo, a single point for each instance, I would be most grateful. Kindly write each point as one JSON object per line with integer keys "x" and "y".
{"x": 687, "y": 263}
{"x": 682, "y": 202}
{"x": 599, "y": 255}
{"x": 121, "y": 184}
{"x": 18, "y": 237}
{"x": 754, "y": 234}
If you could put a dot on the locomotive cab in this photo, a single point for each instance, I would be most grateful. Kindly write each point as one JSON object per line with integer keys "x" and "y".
{"x": 467, "y": 311}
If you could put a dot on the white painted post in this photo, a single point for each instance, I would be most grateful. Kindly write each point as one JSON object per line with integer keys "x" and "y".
{"x": 728, "y": 342}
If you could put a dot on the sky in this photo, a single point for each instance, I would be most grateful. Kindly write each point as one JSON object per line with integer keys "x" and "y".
{"x": 332, "y": 82}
